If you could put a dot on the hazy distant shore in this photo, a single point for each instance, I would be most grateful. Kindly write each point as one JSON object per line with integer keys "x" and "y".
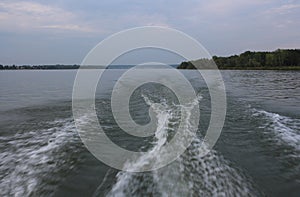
{"x": 250, "y": 68}
{"x": 227, "y": 68}
{"x": 281, "y": 59}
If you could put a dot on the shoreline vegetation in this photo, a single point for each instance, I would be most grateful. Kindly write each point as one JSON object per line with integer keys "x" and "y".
{"x": 281, "y": 59}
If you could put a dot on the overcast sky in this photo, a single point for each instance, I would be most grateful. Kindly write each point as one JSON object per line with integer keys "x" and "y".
{"x": 64, "y": 31}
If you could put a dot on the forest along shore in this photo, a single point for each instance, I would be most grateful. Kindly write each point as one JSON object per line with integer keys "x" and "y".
{"x": 281, "y": 59}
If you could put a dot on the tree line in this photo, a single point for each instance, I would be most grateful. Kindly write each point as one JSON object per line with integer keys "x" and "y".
{"x": 279, "y": 59}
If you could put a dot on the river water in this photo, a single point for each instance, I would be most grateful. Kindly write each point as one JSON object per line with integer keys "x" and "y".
{"x": 258, "y": 153}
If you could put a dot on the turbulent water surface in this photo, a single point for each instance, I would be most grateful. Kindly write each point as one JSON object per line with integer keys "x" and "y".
{"x": 258, "y": 153}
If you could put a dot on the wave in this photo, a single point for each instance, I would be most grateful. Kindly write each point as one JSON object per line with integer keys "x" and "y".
{"x": 28, "y": 158}
{"x": 189, "y": 175}
{"x": 285, "y": 130}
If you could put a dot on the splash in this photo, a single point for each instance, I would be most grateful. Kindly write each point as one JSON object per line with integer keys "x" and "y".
{"x": 284, "y": 129}
{"x": 190, "y": 174}
{"x": 27, "y": 158}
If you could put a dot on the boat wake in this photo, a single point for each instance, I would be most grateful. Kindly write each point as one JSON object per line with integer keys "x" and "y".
{"x": 284, "y": 130}
{"x": 29, "y": 158}
{"x": 189, "y": 175}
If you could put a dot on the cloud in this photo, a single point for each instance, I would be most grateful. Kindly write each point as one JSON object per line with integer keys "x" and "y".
{"x": 29, "y": 16}
{"x": 224, "y": 26}
{"x": 142, "y": 19}
{"x": 66, "y": 27}
{"x": 22, "y": 16}
{"x": 226, "y": 7}
{"x": 283, "y": 16}
{"x": 283, "y": 9}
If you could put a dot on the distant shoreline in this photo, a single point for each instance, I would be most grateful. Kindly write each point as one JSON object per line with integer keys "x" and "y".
{"x": 281, "y": 59}
{"x": 262, "y": 68}
{"x": 295, "y": 68}
{"x": 228, "y": 68}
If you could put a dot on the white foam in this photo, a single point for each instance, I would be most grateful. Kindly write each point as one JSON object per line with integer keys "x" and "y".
{"x": 286, "y": 130}
{"x": 189, "y": 175}
{"x": 29, "y": 157}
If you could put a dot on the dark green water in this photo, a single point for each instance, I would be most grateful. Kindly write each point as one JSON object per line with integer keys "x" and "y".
{"x": 258, "y": 153}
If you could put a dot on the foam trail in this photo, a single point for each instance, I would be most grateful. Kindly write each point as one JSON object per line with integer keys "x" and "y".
{"x": 32, "y": 161}
{"x": 286, "y": 130}
{"x": 189, "y": 175}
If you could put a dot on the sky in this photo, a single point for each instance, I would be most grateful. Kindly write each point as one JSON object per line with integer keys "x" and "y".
{"x": 64, "y": 31}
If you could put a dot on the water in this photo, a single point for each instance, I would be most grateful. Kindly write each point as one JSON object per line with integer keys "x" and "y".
{"x": 257, "y": 154}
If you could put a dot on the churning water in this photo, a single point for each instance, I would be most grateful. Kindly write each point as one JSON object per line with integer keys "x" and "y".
{"x": 257, "y": 154}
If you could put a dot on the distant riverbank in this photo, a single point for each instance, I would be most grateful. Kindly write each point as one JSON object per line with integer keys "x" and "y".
{"x": 262, "y": 68}
{"x": 281, "y": 59}
{"x": 249, "y": 68}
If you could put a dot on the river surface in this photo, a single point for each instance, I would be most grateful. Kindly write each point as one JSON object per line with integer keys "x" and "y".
{"x": 258, "y": 153}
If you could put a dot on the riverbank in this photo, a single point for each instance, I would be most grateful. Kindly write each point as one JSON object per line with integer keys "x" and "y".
{"x": 281, "y": 59}
{"x": 250, "y": 68}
